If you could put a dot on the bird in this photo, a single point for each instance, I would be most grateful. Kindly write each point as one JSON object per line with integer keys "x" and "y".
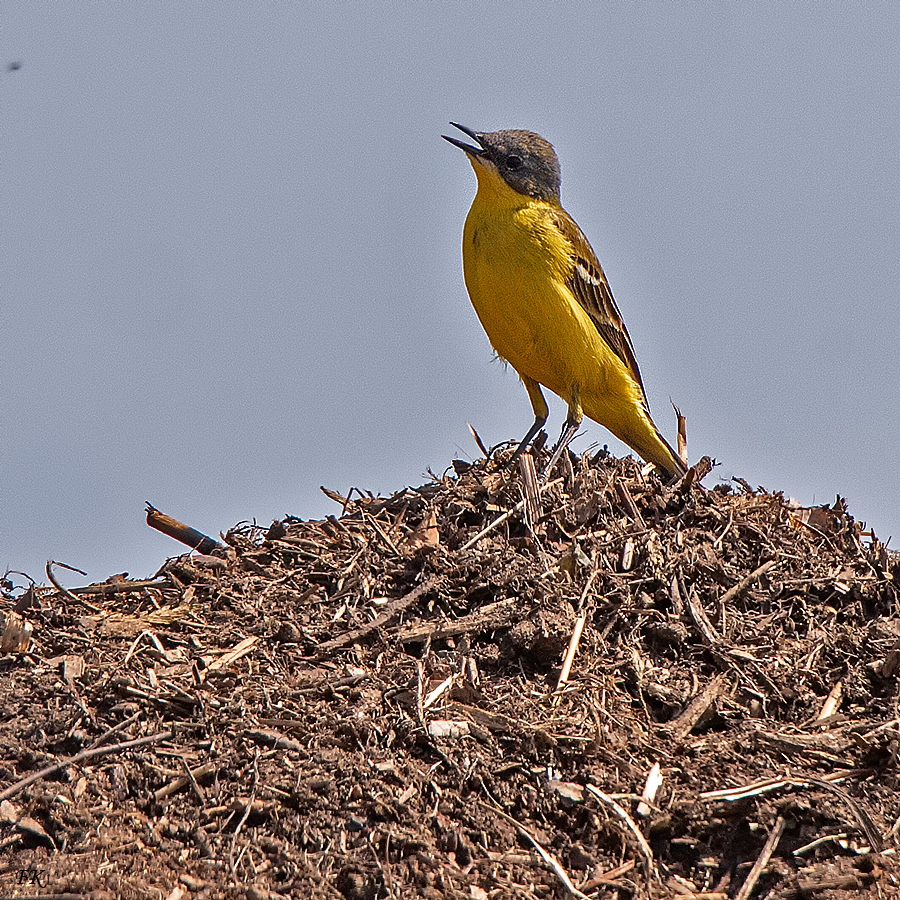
{"x": 543, "y": 299}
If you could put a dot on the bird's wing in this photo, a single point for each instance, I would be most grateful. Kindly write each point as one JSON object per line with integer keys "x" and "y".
{"x": 591, "y": 289}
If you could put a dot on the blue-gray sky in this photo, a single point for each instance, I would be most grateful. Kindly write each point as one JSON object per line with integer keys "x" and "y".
{"x": 230, "y": 257}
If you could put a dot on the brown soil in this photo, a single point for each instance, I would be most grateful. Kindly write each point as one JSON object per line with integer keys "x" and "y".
{"x": 366, "y": 707}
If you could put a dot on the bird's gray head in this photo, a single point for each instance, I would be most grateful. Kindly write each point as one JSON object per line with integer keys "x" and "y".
{"x": 524, "y": 160}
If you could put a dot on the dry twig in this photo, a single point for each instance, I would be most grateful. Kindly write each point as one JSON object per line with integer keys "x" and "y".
{"x": 646, "y": 853}
{"x": 762, "y": 860}
{"x": 78, "y": 758}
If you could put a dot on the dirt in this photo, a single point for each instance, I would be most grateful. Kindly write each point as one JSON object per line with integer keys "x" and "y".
{"x": 372, "y": 705}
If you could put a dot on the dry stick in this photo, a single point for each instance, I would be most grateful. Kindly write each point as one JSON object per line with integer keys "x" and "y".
{"x": 762, "y": 860}
{"x": 481, "y": 446}
{"x": 531, "y": 491}
{"x": 501, "y": 519}
{"x": 339, "y": 498}
{"x": 576, "y": 635}
{"x": 612, "y": 876}
{"x": 701, "y": 620}
{"x": 570, "y": 472}
{"x": 570, "y": 657}
{"x": 319, "y": 878}
{"x": 81, "y": 757}
{"x": 183, "y": 781}
{"x": 696, "y": 473}
{"x": 819, "y": 841}
{"x": 774, "y": 784}
{"x": 117, "y": 587}
{"x": 383, "y": 867}
{"x": 381, "y": 533}
{"x": 808, "y": 886}
{"x": 683, "y": 485}
{"x": 180, "y": 532}
{"x": 240, "y": 649}
{"x": 420, "y": 694}
{"x": 717, "y": 543}
{"x": 681, "y": 727}
{"x": 832, "y": 701}
{"x": 682, "y": 434}
{"x": 485, "y": 619}
{"x": 190, "y": 775}
{"x": 137, "y": 640}
{"x": 646, "y": 852}
{"x": 231, "y": 860}
{"x": 812, "y": 528}
{"x": 436, "y": 693}
{"x": 116, "y": 729}
{"x": 555, "y": 866}
{"x": 628, "y": 501}
{"x": 859, "y": 812}
{"x": 550, "y": 861}
{"x": 64, "y": 591}
{"x": 651, "y": 787}
{"x": 763, "y": 786}
{"x": 391, "y": 610}
{"x": 732, "y": 592}
{"x": 677, "y": 600}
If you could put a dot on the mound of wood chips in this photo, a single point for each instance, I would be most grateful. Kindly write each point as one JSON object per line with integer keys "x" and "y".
{"x": 614, "y": 688}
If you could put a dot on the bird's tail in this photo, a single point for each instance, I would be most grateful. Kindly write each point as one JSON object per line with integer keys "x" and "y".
{"x": 626, "y": 415}
{"x": 676, "y": 467}
{"x": 652, "y": 447}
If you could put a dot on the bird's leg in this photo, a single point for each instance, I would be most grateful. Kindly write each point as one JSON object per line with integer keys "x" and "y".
{"x": 565, "y": 439}
{"x": 523, "y": 444}
{"x": 573, "y": 420}
{"x": 541, "y": 411}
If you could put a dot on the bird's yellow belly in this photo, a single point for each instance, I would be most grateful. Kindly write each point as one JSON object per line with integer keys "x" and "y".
{"x": 530, "y": 317}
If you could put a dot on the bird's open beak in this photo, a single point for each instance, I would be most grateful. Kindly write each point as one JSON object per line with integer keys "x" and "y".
{"x": 469, "y": 148}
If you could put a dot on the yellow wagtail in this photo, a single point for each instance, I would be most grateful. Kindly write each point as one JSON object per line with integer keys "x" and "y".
{"x": 542, "y": 297}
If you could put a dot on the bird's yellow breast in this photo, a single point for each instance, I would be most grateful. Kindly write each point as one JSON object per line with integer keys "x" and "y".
{"x": 516, "y": 263}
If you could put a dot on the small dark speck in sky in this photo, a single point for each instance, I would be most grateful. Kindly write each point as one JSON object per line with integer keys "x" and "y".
{"x": 13, "y": 66}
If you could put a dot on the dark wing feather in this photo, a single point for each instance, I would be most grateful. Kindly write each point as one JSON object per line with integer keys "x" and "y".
{"x": 591, "y": 289}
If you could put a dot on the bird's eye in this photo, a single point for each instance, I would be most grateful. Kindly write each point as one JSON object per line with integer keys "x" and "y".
{"x": 514, "y": 162}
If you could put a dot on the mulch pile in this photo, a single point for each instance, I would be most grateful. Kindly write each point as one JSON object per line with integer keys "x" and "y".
{"x": 375, "y": 705}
